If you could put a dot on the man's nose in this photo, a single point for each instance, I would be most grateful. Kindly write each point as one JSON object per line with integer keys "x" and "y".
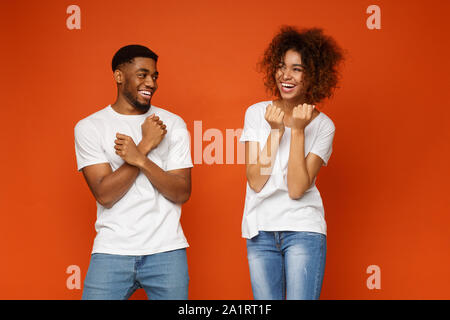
{"x": 149, "y": 81}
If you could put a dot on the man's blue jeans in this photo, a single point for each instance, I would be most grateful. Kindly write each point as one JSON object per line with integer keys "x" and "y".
{"x": 164, "y": 276}
{"x": 286, "y": 265}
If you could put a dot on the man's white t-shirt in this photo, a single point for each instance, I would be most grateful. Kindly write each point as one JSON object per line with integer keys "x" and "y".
{"x": 143, "y": 221}
{"x": 272, "y": 209}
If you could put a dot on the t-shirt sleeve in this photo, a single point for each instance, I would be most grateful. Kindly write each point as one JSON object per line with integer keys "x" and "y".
{"x": 180, "y": 147}
{"x": 88, "y": 148}
{"x": 251, "y": 126}
{"x": 323, "y": 145}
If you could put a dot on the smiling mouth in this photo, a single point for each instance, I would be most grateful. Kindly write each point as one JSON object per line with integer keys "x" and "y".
{"x": 145, "y": 93}
{"x": 287, "y": 87}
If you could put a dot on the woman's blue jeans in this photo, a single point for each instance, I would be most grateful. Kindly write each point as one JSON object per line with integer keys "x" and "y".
{"x": 164, "y": 276}
{"x": 286, "y": 265}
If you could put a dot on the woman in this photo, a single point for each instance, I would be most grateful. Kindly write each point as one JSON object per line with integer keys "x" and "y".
{"x": 287, "y": 141}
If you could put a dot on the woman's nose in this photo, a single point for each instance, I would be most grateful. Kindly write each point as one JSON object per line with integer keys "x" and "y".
{"x": 286, "y": 74}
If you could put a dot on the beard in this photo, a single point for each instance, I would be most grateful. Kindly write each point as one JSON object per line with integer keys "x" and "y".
{"x": 144, "y": 107}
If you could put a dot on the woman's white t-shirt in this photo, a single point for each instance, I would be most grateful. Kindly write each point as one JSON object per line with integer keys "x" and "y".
{"x": 272, "y": 209}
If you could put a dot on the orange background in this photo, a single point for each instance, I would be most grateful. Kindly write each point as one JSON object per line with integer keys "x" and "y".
{"x": 385, "y": 189}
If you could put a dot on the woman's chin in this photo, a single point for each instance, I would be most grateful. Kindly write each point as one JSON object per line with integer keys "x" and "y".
{"x": 290, "y": 97}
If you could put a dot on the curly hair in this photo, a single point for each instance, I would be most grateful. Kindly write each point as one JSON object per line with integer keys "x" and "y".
{"x": 321, "y": 57}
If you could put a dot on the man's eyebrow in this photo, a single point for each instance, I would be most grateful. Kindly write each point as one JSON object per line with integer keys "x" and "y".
{"x": 148, "y": 71}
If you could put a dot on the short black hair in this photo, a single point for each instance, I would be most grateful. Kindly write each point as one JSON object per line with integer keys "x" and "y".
{"x": 128, "y": 53}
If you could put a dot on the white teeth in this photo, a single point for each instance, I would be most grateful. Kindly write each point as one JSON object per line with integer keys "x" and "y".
{"x": 287, "y": 85}
{"x": 147, "y": 93}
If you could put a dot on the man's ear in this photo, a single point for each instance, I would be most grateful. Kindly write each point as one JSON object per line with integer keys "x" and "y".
{"x": 118, "y": 76}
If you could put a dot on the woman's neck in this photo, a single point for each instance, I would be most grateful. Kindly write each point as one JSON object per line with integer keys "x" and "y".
{"x": 288, "y": 105}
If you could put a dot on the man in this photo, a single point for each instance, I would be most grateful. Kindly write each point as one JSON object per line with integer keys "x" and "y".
{"x": 136, "y": 160}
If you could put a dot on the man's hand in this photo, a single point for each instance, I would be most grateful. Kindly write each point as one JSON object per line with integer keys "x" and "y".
{"x": 153, "y": 131}
{"x": 274, "y": 116}
{"x": 301, "y": 116}
{"x": 128, "y": 151}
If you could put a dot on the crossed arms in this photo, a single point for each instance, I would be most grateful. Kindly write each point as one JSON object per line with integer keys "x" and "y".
{"x": 110, "y": 186}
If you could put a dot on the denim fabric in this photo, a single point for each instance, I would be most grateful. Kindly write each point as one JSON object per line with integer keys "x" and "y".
{"x": 164, "y": 276}
{"x": 286, "y": 265}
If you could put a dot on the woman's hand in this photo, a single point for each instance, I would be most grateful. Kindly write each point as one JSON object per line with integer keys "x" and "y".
{"x": 274, "y": 116}
{"x": 301, "y": 116}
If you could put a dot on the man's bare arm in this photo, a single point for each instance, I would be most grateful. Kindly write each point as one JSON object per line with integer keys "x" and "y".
{"x": 174, "y": 185}
{"x": 110, "y": 186}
